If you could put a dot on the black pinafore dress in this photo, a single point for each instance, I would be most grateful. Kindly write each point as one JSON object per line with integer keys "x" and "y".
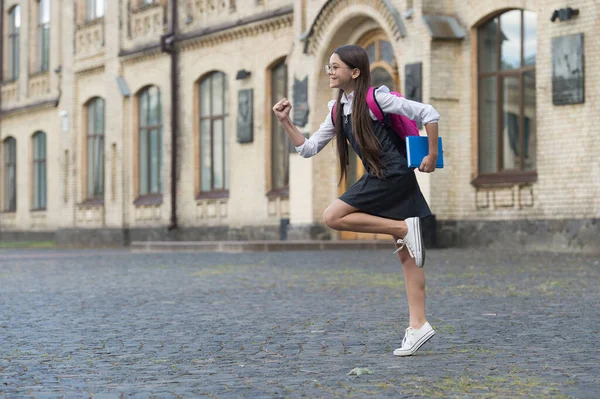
{"x": 396, "y": 196}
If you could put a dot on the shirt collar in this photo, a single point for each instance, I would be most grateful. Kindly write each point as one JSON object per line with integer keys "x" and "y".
{"x": 347, "y": 98}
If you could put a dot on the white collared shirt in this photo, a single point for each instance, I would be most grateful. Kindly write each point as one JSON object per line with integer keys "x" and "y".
{"x": 389, "y": 103}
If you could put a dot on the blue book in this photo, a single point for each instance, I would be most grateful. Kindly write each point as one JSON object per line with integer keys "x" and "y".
{"x": 417, "y": 147}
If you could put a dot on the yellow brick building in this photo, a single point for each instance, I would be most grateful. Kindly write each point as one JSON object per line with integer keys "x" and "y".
{"x": 151, "y": 119}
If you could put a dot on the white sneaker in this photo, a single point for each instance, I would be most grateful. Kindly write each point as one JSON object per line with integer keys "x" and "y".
{"x": 413, "y": 339}
{"x": 413, "y": 241}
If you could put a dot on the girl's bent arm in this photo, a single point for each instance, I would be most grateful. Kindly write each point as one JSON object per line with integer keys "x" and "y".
{"x": 391, "y": 104}
{"x": 311, "y": 146}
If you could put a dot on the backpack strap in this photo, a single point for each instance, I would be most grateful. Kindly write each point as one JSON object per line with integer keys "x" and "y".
{"x": 373, "y": 104}
{"x": 384, "y": 119}
{"x": 334, "y": 113}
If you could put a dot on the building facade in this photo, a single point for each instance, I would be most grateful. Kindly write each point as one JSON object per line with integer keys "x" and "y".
{"x": 151, "y": 119}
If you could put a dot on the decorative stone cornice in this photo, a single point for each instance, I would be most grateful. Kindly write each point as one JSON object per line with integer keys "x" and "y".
{"x": 141, "y": 53}
{"x": 89, "y": 71}
{"x": 332, "y": 8}
{"x": 252, "y": 26}
{"x": 28, "y": 108}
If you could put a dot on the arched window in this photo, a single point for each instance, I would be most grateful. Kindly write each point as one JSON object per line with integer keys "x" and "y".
{"x": 382, "y": 60}
{"x": 14, "y": 27}
{"x": 214, "y": 174}
{"x": 95, "y": 149}
{"x": 9, "y": 158}
{"x": 506, "y": 51}
{"x": 149, "y": 141}
{"x": 281, "y": 145}
{"x": 39, "y": 170}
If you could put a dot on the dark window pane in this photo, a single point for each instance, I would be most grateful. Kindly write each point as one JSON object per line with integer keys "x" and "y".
{"x": 217, "y": 94}
{"x": 371, "y": 52}
{"x": 99, "y": 117}
{"x": 488, "y": 125}
{"x": 530, "y": 39}
{"x": 143, "y": 154}
{"x": 279, "y": 139}
{"x": 386, "y": 52}
{"x": 205, "y": 97}
{"x": 155, "y": 111}
{"x": 159, "y": 157}
{"x": 511, "y": 95}
{"x": 510, "y": 36}
{"x": 95, "y": 148}
{"x": 143, "y": 109}
{"x": 529, "y": 125}
{"x": 218, "y": 148}
{"x": 205, "y": 155}
{"x": 486, "y": 46}
{"x": 90, "y": 167}
{"x": 154, "y": 161}
{"x": 39, "y": 171}
{"x": 10, "y": 174}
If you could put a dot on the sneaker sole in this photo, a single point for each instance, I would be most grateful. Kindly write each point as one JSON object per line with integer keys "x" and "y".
{"x": 416, "y": 347}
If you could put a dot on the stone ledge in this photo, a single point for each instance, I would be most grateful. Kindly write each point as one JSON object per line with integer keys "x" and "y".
{"x": 255, "y": 246}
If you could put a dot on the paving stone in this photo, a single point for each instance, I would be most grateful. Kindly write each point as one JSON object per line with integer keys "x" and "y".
{"x": 293, "y": 324}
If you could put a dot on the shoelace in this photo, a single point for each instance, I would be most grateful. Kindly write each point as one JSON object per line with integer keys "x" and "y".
{"x": 409, "y": 332}
{"x": 405, "y": 243}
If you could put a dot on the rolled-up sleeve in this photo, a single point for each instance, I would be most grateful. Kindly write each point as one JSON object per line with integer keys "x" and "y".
{"x": 320, "y": 138}
{"x": 419, "y": 112}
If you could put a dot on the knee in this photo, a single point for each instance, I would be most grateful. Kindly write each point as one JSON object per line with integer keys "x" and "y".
{"x": 330, "y": 219}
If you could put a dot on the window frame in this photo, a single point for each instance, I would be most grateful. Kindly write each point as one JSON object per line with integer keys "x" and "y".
{"x": 13, "y": 43}
{"x": 43, "y": 35}
{"x": 91, "y": 196}
{"x": 501, "y": 176}
{"x": 39, "y": 196}
{"x": 9, "y": 205}
{"x": 144, "y": 128}
{"x": 274, "y": 127}
{"x": 224, "y": 118}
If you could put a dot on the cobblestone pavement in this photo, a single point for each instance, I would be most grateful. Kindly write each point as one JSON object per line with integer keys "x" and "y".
{"x": 115, "y": 324}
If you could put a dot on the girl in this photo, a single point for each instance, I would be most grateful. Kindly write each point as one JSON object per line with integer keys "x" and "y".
{"x": 387, "y": 198}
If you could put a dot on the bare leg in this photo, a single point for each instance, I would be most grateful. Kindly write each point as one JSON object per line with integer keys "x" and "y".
{"x": 341, "y": 216}
{"x": 414, "y": 280}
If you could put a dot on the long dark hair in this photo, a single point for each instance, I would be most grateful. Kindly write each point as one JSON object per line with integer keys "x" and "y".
{"x": 356, "y": 57}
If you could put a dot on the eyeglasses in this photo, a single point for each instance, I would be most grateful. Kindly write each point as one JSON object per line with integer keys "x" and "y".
{"x": 332, "y": 69}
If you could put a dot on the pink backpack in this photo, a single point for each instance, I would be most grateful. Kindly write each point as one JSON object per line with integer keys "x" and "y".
{"x": 400, "y": 124}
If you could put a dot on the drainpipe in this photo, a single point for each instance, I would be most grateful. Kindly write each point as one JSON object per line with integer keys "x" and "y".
{"x": 167, "y": 44}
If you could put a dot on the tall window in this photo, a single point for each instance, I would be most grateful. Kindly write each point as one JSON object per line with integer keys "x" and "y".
{"x": 382, "y": 59}
{"x": 94, "y": 9}
{"x": 280, "y": 143}
{"x": 14, "y": 26}
{"x": 214, "y": 175}
{"x": 39, "y": 170}
{"x": 150, "y": 141}
{"x": 43, "y": 39}
{"x": 95, "y": 148}
{"x": 10, "y": 174}
{"x": 506, "y": 73}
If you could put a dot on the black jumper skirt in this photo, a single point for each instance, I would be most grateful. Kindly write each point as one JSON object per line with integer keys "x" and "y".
{"x": 396, "y": 196}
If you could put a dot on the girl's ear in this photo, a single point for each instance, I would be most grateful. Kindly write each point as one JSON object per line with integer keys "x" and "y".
{"x": 355, "y": 73}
